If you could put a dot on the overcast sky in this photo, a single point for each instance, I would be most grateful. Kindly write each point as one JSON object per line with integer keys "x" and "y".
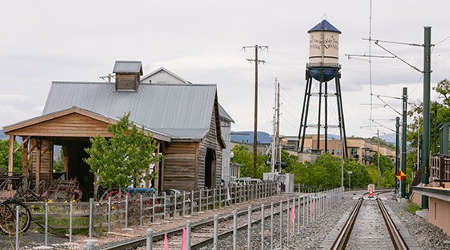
{"x": 44, "y": 41}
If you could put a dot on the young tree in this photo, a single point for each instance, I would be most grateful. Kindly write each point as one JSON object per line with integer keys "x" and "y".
{"x": 244, "y": 157}
{"x": 122, "y": 160}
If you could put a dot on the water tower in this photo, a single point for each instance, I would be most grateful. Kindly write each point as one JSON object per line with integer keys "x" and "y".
{"x": 323, "y": 66}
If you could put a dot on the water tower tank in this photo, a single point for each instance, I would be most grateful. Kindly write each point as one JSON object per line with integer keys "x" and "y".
{"x": 323, "y": 51}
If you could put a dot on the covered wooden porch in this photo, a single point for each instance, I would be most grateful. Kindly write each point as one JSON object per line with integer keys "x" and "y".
{"x": 71, "y": 129}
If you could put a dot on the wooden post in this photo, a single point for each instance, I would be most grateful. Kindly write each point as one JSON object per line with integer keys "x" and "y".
{"x": 38, "y": 165}
{"x": 25, "y": 158}
{"x": 65, "y": 149}
{"x": 156, "y": 180}
{"x": 11, "y": 158}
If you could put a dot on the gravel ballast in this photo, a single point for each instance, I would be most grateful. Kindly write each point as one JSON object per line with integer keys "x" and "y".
{"x": 427, "y": 235}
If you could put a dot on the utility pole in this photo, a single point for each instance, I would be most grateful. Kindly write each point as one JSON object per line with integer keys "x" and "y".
{"x": 274, "y": 123}
{"x": 342, "y": 161}
{"x": 404, "y": 125}
{"x": 426, "y": 110}
{"x": 278, "y": 128}
{"x": 397, "y": 149}
{"x": 255, "y": 129}
{"x": 378, "y": 159}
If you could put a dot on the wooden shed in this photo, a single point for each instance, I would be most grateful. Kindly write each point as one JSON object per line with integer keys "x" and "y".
{"x": 184, "y": 119}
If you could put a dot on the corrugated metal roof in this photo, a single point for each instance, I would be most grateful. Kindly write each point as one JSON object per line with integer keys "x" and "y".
{"x": 180, "y": 111}
{"x": 324, "y": 26}
{"x": 224, "y": 115}
{"x": 128, "y": 67}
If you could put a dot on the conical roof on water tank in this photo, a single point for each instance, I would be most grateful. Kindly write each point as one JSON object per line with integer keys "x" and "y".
{"x": 323, "y": 51}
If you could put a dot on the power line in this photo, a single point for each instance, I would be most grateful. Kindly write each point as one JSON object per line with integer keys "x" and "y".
{"x": 393, "y": 42}
{"x": 399, "y": 58}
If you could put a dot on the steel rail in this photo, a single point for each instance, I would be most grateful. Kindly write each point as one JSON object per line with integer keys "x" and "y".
{"x": 344, "y": 234}
{"x": 396, "y": 237}
{"x": 140, "y": 241}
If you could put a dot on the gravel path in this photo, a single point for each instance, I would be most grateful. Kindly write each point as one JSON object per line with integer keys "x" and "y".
{"x": 426, "y": 235}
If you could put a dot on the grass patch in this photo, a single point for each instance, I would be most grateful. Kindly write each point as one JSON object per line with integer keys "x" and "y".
{"x": 412, "y": 207}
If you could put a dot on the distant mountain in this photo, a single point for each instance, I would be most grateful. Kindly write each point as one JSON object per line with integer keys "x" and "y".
{"x": 3, "y": 136}
{"x": 389, "y": 138}
{"x": 247, "y": 137}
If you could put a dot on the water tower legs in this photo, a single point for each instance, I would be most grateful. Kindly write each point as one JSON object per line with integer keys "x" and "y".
{"x": 305, "y": 111}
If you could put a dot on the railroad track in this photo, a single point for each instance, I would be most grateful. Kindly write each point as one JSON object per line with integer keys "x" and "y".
{"x": 344, "y": 235}
{"x": 201, "y": 231}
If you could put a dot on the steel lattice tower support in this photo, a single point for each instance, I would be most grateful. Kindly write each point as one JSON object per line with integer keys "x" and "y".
{"x": 305, "y": 112}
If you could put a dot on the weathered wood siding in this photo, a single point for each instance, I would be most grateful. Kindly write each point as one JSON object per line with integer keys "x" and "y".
{"x": 45, "y": 169}
{"x": 180, "y": 168}
{"x": 211, "y": 141}
{"x": 71, "y": 125}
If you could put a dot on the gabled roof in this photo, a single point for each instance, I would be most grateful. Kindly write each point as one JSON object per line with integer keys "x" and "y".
{"x": 324, "y": 26}
{"x": 179, "y": 111}
{"x": 166, "y": 71}
{"x": 222, "y": 113}
{"x": 128, "y": 67}
{"x": 72, "y": 110}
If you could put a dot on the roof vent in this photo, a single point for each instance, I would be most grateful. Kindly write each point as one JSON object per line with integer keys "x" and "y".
{"x": 128, "y": 74}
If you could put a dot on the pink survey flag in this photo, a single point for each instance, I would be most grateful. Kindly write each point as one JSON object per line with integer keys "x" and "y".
{"x": 166, "y": 242}
{"x": 292, "y": 214}
{"x": 183, "y": 241}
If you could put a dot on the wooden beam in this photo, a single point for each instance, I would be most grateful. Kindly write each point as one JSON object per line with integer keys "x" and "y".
{"x": 12, "y": 138}
{"x": 65, "y": 149}
{"x": 21, "y": 144}
{"x": 25, "y": 157}
{"x": 38, "y": 166}
{"x": 11, "y": 158}
{"x": 161, "y": 168}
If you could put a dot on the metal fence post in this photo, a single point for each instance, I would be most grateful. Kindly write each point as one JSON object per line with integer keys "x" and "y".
{"x": 303, "y": 210}
{"x": 90, "y": 245}
{"x": 126, "y": 210}
{"x": 298, "y": 214}
{"x": 200, "y": 200}
{"x": 215, "y": 232}
{"x": 141, "y": 204}
{"x": 46, "y": 225}
{"x": 153, "y": 208}
{"x": 249, "y": 227}
{"x": 175, "y": 204}
{"x": 192, "y": 202}
{"x": 184, "y": 203}
{"x": 288, "y": 221}
{"x": 271, "y": 225}
{"x": 234, "y": 229}
{"x": 214, "y": 199}
{"x": 207, "y": 199}
{"x": 91, "y": 216}
{"x": 220, "y": 196}
{"x": 17, "y": 227}
{"x": 165, "y": 206}
{"x": 149, "y": 239}
{"x": 262, "y": 226}
{"x": 281, "y": 224}
{"x": 188, "y": 235}
{"x": 109, "y": 215}
{"x": 70, "y": 219}
{"x": 240, "y": 193}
